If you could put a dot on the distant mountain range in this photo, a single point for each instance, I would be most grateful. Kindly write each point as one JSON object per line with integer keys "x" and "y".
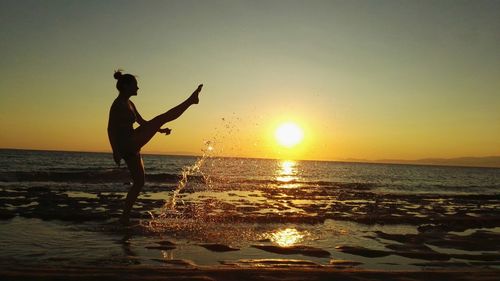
{"x": 490, "y": 161}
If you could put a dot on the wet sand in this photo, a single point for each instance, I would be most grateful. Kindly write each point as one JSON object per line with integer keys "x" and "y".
{"x": 452, "y": 231}
{"x": 235, "y": 273}
{"x": 430, "y": 212}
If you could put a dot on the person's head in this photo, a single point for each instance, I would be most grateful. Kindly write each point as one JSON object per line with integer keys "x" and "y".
{"x": 126, "y": 83}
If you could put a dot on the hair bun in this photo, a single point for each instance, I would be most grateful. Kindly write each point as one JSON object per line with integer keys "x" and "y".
{"x": 118, "y": 74}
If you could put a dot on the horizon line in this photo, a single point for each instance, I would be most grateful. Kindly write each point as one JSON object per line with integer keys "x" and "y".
{"x": 410, "y": 162}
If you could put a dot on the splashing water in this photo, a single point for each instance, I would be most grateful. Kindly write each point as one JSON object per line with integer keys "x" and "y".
{"x": 176, "y": 218}
{"x": 186, "y": 172}
{"x": 169, "y": 208}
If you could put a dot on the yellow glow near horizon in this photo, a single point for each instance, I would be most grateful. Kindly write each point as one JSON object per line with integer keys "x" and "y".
{"x": 289, "y": 134}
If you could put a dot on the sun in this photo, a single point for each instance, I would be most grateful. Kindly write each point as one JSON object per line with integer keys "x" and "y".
{"x": 289, "y": 134}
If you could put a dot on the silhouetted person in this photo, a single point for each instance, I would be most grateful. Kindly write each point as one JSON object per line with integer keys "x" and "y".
{"x": 127, "y": 142}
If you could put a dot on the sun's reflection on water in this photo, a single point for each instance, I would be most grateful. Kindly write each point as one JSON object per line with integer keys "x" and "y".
{"x": 287, "y": 167}
{"x": 287, "y": 174}
{"x": 286, "y": 237}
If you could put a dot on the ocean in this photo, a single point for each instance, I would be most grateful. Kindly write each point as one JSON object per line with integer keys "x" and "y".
{"x": 61, "y": 208}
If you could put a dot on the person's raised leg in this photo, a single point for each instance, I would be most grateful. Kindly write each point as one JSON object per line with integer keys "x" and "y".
{"x": 136, "y": 168}
{"x": 145, "y": 132}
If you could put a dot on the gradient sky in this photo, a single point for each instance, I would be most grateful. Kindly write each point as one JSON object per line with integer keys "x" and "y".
{"x": 365, "y": 79}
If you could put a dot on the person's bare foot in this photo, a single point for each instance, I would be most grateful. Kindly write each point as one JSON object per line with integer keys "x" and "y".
{"x": 194, "y": 96}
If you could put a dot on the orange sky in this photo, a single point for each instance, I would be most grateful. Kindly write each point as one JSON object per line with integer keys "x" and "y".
{"x": 364, "y": 79}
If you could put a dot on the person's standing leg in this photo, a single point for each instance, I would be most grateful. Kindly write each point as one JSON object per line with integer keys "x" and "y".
{"x": 136, "y": 168}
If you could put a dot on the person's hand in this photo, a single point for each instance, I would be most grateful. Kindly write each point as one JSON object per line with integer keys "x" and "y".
{"x": 117, "y": 158}
{"x": 194, "y": 96}
{"x": 165, "y": 131}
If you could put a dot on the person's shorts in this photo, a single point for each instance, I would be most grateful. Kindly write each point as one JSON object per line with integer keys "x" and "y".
{"x": 126, "y": 155}
{"x": 127, "y": 150}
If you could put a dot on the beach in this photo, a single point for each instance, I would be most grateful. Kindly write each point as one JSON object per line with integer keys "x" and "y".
{"x": 250, "y": 140}
{"x": 250, "y": 219}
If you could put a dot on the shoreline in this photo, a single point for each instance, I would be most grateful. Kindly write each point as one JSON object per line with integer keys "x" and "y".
{"x": 236, "y": 273}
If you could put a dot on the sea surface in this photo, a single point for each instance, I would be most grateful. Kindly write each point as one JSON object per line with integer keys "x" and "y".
{"x": 61, "y": 209}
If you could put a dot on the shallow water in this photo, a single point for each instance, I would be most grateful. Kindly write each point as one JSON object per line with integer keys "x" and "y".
{"x": 60, "y": 208}
{"x": 41, "y": 242}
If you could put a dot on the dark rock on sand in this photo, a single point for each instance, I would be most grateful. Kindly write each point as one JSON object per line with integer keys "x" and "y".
{"x": 218, "y": 247}
{"x": 433, "y": 256}
{"x": 178, "y": 263}
{"x": 162, "y": 248}
{"x": 361, "y": 251}
{"x": 485, "y": 263}
{"x": 293, "y": 250}
{"x": 482, "y": 257}
{"x": 477, "y": 241}
{"x": 344, "y": 263}
{"x": 417, "y": 251}
{"x": 442, "y": 264}
{"x": 166, "y": 243}
{"x": 410, "y": 248}
{"x": 281, "y": 263}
